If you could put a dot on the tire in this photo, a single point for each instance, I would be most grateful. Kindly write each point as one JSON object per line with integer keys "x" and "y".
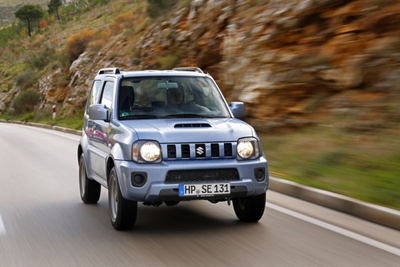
{"x": 89, "y": 189}
{"x": 249, "y": 209}
{"x": 123, "y": 212}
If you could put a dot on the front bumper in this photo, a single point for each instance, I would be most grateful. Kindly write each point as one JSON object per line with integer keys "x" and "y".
{"x": 156, "y": 189}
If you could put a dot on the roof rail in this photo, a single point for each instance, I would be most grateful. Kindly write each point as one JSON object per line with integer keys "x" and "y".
{"x": 109, "y": 71}
{"x": 196, "y": 69}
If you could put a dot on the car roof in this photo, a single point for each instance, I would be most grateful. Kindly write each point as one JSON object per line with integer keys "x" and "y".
{"x": 114, "y": 72}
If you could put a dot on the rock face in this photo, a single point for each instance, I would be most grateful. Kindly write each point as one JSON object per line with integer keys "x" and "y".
{"x": 286, "y": 59}
{"x": 291, "y": 61}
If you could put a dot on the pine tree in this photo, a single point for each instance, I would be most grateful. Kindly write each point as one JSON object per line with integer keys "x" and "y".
{"x": 29, "y": 13}
{"x": 53, "y": 6}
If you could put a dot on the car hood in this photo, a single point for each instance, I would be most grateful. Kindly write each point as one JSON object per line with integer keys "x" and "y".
{"x": 190, "y": 130}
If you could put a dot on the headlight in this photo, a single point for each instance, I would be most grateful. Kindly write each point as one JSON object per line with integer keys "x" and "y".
{"x": 146, "y": 152}
{"x": 248, "y": 148}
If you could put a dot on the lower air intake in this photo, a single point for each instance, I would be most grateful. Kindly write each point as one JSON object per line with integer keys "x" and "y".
{"x": 208, "y": 175}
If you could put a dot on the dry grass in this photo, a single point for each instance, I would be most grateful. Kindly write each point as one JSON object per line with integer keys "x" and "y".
{"x": 77, "y": 43}
{"x": 100, "y": 40}
{"x": 124, "y": 21}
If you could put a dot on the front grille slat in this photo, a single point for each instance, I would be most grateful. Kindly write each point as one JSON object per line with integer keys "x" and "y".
{"x": 206, "y": 175}
{"x": 171, "y": 150}
{"x": 228, "y": 149}
{"x": 195, "y": 151}
{"x": 215, "y": 150}
{"x": 185, "y": 151}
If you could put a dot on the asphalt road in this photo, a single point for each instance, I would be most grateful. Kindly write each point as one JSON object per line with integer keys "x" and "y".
{"x": 44, "y": 223}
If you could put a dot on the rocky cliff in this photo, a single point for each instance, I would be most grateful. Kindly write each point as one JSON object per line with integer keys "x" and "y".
{"x": 293, "y": 62}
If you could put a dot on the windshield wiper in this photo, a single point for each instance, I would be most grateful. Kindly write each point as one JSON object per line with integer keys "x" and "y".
{"x": 187, "y": 115}
{"x": 139, "y": 116}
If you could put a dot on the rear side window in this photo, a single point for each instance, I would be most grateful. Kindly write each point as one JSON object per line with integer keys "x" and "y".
{"x": 107, "y": 96}
{"x": 94, "y": 95}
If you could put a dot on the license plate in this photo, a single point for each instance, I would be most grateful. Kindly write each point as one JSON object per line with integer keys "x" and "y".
{"x": 204, "y": 189}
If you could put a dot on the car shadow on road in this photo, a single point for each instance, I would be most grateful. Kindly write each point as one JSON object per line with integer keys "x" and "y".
{"x": 186, "y": 217}
{"x": 75, "y": 219}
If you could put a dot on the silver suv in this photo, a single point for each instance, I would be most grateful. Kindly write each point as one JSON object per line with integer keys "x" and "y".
{"x": 164, "y": 137}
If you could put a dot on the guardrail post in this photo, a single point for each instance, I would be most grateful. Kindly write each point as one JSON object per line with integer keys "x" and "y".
{"x": 54, "y": 112}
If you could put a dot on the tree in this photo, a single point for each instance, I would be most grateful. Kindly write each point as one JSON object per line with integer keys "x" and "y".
{"x": 29, "y": 13}
{"x": 53, "y": 6}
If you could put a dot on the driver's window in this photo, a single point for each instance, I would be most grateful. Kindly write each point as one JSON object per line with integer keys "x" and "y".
{"x": 94, "y": 95}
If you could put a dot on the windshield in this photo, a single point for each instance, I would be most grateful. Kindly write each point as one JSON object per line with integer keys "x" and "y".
{"x": 170, "y": 97}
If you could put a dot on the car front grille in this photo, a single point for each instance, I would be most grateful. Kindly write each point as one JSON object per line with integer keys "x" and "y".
{"x": 207, "y": 175}
{"x": 199, "y": 151}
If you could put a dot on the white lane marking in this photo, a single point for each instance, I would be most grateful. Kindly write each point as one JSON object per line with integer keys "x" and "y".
{"x": 336, "y": 229}
{"x": 2, "y": 228}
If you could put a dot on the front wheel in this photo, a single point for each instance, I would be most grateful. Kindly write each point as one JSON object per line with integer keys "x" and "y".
{"x": 122, "y": 211}
{"x": 90, "y": 189}
{"x": 249, "y": 209}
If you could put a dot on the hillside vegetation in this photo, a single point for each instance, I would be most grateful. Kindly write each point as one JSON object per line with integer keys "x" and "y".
{"x": 320, "y": 78}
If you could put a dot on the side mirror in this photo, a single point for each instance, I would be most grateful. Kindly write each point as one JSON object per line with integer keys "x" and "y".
{"x": 237, "y": 109}
{"x": 98, "y": 112}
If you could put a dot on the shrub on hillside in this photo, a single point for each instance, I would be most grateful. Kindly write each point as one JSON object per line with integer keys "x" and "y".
{"x": 28, "y": 117}
{"x": 43, "y": 58}
{"x": 100, "y": 40}
{"x": 156, "y": 8}
{"x": 170, "y": 60}
{"x": 123, "y": 21}
{"x": 43, "y": 23}
{"x": 25, "y": 101}
{"x": 25, "y": 80}
{"x": 98, "y": 2}
{"x": 10, "y": 32}
{"x": 77, "y": 43}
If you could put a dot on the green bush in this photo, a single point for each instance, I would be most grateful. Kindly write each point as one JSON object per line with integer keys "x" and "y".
{"x": 28, "y": 117}
{"x": 136, "y": 61}
{"x": 156, "y": 8}
{"x": 25, "y": 101}
{"x": 10, "y": 32}
{"x": 25, "y": 80}
{"x": 5, "y": 116}
{"x": 43, "y": 58}
{"x": 98, "y": 2}
{"x": 170, "y": 61}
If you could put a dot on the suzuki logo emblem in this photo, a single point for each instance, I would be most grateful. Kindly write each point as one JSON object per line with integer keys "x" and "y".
{"x": 200, "y": 151}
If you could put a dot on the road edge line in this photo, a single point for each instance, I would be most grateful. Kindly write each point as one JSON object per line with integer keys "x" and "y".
{"x": 45, "y": 126}
{"x": 336, "y": 229}
{"x": 367, "y": 211}
{"x": 2, "y": 227}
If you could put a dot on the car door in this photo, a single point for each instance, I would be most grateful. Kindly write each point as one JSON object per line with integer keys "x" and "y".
{"x": 100, "y": 135}
{"x": 93, "y": 98}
